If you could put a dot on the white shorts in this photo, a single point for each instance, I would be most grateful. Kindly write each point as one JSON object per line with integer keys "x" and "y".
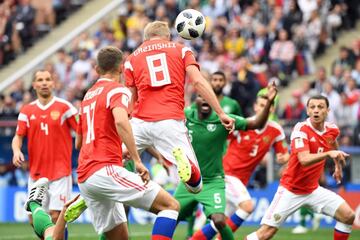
{"x": 58, "y": 194}
{"x": 236, "y": 193}
{"x": 286, "y": 203}
{"x": 106, "y": 190}
{"x": 164, "y": 135}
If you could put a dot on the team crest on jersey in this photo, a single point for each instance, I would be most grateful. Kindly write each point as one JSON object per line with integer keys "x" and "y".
{"x": 277, "y": 217}
{"x": 266, "y": 139}
{"x": 54, "y": 115}
{"x": 330, "y": 141}
{"x": 211, "y": 127}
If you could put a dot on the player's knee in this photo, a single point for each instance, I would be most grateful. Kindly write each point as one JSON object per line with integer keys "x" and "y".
{"x": 349, "y": 217}
{"x": 247, "y": 206}
{"x": 219, "y": 220}
{"x": 174, "y": 205}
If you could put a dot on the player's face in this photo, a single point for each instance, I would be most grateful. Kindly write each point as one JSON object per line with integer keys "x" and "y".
{"x": 217, "y": 83}
{"x": 43, "y": 84}
{"x": 202, "y": 105}
{"x": 260, "y": 105}
{"x": 317, "y": 110}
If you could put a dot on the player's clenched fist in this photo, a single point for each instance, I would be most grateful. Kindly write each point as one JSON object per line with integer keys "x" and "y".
{"x": 142, "y": 171}
{"x": 18, "y": 158}
{"x": 272, "y": 91}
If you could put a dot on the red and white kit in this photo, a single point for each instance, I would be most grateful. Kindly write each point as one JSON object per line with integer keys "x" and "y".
{"x": 157, "y": 69}
{"x": 103, "y": 182}
{"x": 299, "y": 184}
{"x": 245, "y": 152}
{"x": 48, "y": 131}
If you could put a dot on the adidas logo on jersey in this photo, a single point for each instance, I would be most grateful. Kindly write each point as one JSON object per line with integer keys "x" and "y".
{"x": 32, "y": 117}
{"x": 313, "y": 139}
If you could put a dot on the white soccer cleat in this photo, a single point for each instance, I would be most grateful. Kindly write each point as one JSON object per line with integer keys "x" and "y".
{"x": 299, "y": 230}
{"x": 37, "y": 192}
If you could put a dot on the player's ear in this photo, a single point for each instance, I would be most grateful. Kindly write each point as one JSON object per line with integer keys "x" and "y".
{"x": 97, "y": 69}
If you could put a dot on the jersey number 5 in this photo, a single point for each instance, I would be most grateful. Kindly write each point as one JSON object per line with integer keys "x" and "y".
{"x": 158, "y": 69}
{"x": 89, "y": 111}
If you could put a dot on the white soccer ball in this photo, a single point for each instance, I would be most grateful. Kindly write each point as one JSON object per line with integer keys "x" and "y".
{"x": 190, "y": 24}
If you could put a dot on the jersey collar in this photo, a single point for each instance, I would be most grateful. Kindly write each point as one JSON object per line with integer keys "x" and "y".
{"x": 104, "y": 79}
{"x": 314, "y": 129}
{"x": 44, "y": 107}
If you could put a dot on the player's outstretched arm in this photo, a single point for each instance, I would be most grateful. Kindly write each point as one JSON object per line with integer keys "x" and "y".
{"x": 204, "y": 89}
{"x": 307, "y": 159}
{"x": 18, "y": 156}
{"x": 261, "y": 119}
{"x": 124, "y": 130}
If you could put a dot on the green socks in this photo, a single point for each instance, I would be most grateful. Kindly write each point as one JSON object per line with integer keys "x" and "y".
{"x": 102, "y": 237}
{"x": 41, "y": 219}
{"x": 226, "y": 233}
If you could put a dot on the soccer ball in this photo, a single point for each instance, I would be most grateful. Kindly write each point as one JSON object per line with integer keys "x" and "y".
{"x": 190, "y": 24}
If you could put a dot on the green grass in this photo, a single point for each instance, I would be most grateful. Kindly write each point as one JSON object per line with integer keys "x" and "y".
{"x": 137, "y": 232}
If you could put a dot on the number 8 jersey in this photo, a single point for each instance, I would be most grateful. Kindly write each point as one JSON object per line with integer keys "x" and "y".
{"x": 157, "y": 69}
{"x": 48, "y": 130}
{"x": 101, "y": 144}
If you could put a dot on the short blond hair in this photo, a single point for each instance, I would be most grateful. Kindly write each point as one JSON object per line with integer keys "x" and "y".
{"x": 156, "y": 29}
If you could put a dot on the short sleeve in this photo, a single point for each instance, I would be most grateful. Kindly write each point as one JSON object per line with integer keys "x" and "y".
{"x": 280, "y": 147}
{"x": 299, "y": 140}
{"x": 128, "y": 73}
{"x": 188, "y": 57}
{"x": 79, "y": 127}
{"x": 118, "y": 97}
{"x": 240, "y": 122}
{"x": 23, "y": 124}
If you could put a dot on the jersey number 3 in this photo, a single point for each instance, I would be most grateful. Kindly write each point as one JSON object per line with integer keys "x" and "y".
{"x": 158, "y": 69}
{"x": 89, "y": 111}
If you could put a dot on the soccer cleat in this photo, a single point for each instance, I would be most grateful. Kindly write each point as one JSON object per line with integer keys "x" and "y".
{"x": 37, "y": 192}
{"x": 299, "y": 230}
{"x": 75, "y": 210}
{"x": 183, "y": 164}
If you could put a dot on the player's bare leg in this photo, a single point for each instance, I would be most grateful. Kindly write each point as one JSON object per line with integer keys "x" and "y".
{"x": 265, "y": 232}
{"x": 118, "y": 232}
{"x": 189, "y": 172}
{"x": 345, "y": 217}
{"x": 241, "y": 214}
{"x": 167, "y": 209}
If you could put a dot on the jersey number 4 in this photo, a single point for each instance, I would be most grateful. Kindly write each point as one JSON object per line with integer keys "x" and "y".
{"x": 158, "y": 69}
{"x": 89, "y": 111}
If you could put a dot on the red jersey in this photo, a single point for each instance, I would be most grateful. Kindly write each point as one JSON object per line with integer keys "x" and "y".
{"x": 101, "y": 144}
{"x": 157, "y": 69}
{"x": 248, "y": 148}
{"x": 48, "y": 129}
{"x": 305, "y": 179}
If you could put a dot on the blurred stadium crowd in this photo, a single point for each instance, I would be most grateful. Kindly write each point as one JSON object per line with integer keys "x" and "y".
{"x": 251, "y": 41}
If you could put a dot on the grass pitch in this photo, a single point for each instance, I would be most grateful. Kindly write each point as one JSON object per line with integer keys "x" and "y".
{"x": 22, "y": 231}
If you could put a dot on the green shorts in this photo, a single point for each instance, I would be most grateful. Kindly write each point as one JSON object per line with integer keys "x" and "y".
{"x": 129, "y": 165}
{"x": 212, "y": 197}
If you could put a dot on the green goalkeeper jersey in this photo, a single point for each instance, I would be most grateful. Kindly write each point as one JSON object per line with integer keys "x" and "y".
{"x": 208, "y": 137}
{"x": 229, "y": 105}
